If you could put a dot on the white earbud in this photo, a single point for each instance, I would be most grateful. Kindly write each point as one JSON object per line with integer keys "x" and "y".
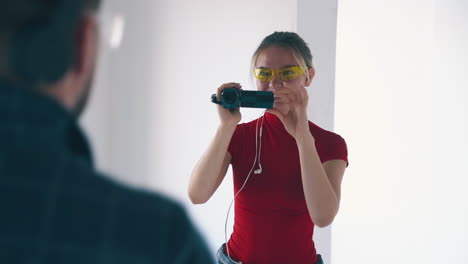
{"x": 259, "y": 170}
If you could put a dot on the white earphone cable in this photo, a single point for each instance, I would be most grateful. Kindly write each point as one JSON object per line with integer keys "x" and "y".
{"x": 245, "y": 182}
{"x": 260, "y": 149}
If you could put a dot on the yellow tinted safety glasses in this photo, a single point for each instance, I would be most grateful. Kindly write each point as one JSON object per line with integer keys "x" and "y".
{"x": 284, "y": 74}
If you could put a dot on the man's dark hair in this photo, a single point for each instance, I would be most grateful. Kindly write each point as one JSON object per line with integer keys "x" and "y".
{"x": 91, "y": 4}
{"x": 21, "y": 22}
{"x": 17, "y": 12}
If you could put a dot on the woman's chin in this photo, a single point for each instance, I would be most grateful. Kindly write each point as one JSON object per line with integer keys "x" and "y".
{"x": 283, "y": 109}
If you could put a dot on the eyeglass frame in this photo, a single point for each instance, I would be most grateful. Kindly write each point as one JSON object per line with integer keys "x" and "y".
{"x": 299, "y": 70}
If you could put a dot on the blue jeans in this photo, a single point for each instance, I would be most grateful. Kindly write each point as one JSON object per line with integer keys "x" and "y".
{"x": 224, "y": 259}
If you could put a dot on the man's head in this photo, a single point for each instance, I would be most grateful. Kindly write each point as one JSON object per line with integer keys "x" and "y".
{"x": 51, "y": 46}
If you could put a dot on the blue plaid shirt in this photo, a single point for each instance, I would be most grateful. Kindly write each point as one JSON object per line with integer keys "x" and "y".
{"x": 56, "y": 208}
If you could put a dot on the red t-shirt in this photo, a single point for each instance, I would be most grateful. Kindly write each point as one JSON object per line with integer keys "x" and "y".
{"x": 271, "y": 220}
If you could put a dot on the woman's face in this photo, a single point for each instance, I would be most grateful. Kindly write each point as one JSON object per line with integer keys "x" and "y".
{"x": 275, "y": 57}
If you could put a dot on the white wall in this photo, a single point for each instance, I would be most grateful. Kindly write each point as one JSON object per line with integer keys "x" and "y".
{"x": 401, "y": 104}
{"x": 450, "y": 126}
{"x": 317, "y": 25}
{"x": 118, "y": 115}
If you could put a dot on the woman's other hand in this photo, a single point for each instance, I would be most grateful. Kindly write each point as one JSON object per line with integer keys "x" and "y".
{"x": 290, "y": 107}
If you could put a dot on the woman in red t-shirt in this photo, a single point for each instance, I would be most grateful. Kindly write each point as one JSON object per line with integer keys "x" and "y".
{"x": 287, "y": 171}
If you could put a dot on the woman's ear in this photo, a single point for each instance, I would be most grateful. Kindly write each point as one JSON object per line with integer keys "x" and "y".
{"x": 310, "y": 77}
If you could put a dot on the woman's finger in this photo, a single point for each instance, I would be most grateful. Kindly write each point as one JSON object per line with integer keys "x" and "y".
{"x": 224, "y": 86}
{"x": 304, "y": 95}
{"x": 285, "y": 95}
{"x": 300, "y": 95}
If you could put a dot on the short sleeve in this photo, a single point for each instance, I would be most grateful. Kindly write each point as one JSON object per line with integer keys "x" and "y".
{"x": 235, "y": 144}
{"x": 333, "y": 147}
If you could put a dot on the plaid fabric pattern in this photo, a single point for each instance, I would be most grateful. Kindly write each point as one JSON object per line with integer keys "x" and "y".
{"x": 55, "y": 208}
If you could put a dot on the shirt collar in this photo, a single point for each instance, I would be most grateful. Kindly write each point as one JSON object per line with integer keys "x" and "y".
{"x": 43, "y": 119}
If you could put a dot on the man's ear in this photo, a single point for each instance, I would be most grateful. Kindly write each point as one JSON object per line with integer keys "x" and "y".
{"x": 311, "y": 76}
{"x": 85, "y": 48}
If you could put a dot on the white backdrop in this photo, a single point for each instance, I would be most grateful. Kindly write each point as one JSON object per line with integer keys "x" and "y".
{"x": 401, "y": 102}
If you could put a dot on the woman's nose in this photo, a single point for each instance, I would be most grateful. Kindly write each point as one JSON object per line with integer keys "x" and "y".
{"x": 275, "y": 83}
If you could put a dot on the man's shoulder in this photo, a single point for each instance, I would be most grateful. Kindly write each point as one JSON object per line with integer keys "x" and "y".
{"x": 85, "y": 209}
{"x": 127, "y": 197}
{"x": 141, "y": 221}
